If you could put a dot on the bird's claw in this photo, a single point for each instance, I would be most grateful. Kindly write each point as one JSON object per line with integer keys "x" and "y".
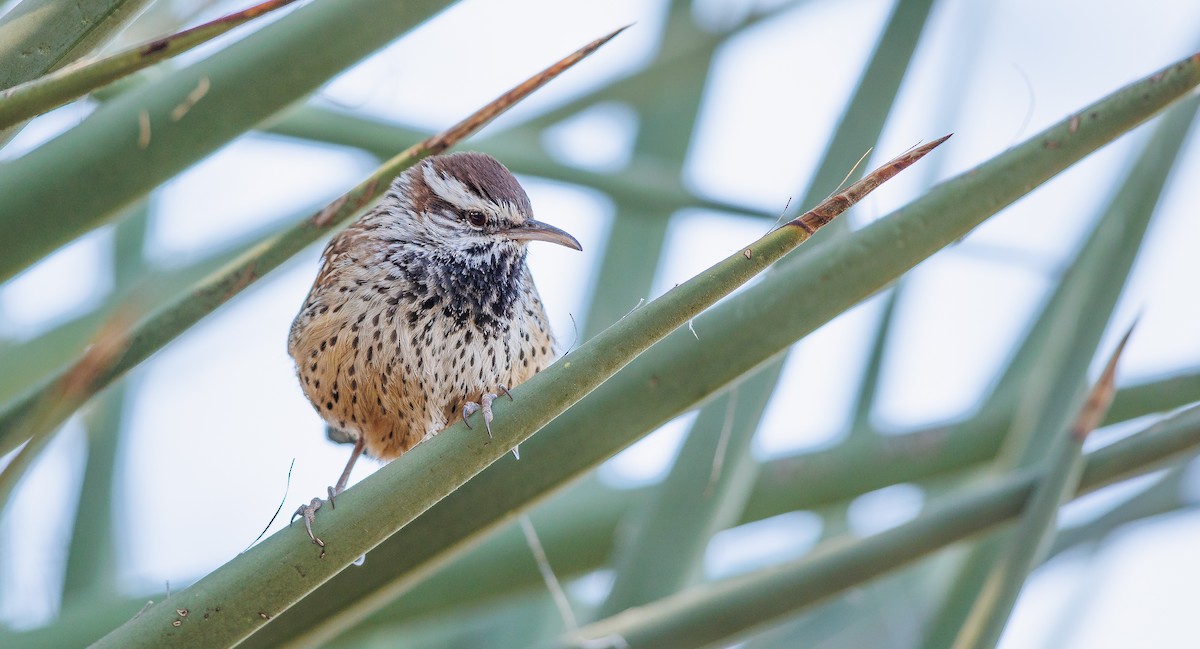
{"x": 309, "y": 512}
{"x": 485, "y": 404}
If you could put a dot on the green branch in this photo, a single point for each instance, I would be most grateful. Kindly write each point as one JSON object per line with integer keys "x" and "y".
{"x": 38, "y": 36}
{"x": 42, "y": 94}
{"x": 1037, "y": 524}
{"x": 725, "y": 610}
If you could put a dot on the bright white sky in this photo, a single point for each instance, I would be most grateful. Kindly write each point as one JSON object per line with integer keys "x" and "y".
{"x": 219, "y": 416}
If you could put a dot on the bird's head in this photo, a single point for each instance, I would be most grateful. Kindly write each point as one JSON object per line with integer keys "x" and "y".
{"x": 467, "y": 204}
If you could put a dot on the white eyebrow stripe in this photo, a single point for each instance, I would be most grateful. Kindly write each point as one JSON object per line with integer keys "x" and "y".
{"x": 452, "y": 190}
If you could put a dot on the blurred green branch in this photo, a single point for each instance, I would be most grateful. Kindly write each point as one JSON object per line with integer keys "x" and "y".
{"x": 38, "y": 36}
{"x": 724, "y": 610}
{"x": 36, "y": 96}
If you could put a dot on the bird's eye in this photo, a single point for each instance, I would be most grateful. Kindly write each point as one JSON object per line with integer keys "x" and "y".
{"x": 476, "y": 218}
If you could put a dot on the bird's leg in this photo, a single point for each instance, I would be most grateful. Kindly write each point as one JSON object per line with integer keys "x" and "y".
{"x": 484, "y": 404}
{"x": 359, "y": 445}
{"x": 309, "y": 511}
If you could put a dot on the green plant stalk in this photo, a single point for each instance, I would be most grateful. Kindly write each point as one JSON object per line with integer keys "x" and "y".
{"x": 704, "y": 493}
{"x": 1048, "y": 373}
{"x": 578, "y": 544}
{"x": 38, "y": 36}
{"x": 140, "y": 138}
{"x": 284, "y": 570}
{"x": 575, "y": 544}
{"x": 868, "y": 387}
{"x": 752, "y": 326}
{"x": 1036, "y": 528}
{"x": 173, "y": 319}
{"x": 725, "y": 610}
{"x": 1140, "y": 192}
{"x": 92, "y": 556}
{"x": 1166, "y": 495}
{"x": 45, "y": 93}
{"x": 878, "y": 460}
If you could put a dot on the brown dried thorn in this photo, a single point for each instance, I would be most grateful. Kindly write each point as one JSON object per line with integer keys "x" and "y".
{"x": 819, "y": 216}
{"x": 1101, "y": 396}
{"x": 228, "y": 21}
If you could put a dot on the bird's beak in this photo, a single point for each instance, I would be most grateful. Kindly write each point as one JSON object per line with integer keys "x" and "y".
{"x": 537, "y": 231}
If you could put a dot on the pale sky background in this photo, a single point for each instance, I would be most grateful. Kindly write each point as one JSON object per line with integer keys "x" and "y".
{"x": 218, "y": 415}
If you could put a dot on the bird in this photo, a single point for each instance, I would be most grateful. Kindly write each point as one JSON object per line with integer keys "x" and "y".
{"x": 424, "y": 310}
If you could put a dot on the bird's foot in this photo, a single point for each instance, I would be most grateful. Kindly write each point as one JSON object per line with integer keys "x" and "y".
{"x": 485, "y": 404}
{"x": 309, "y": 512}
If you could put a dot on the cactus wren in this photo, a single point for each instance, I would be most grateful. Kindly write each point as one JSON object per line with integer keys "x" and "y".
{"x": 423, "y": 309}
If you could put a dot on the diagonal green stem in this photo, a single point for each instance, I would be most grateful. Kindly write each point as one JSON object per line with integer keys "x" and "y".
{"x": 38, "y": 36}
{"x": 37, "y": 96}
{"x": 723, "y": 611}
{"x": 1037, "y": 524}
